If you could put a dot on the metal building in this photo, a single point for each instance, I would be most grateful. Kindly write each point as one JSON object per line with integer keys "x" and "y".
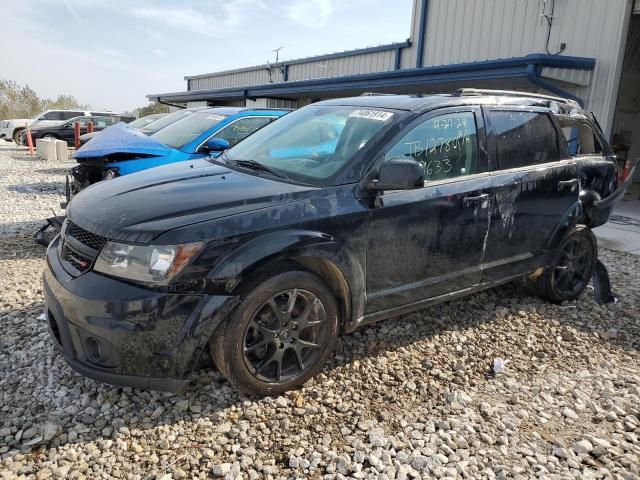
{"x": 585, "y": 49}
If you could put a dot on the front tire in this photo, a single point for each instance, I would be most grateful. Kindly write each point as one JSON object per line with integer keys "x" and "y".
{"x": 279, "y": 336}
{"x": 571, "y": 268}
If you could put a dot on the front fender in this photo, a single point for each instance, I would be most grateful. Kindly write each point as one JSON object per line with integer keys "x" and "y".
{"x": 305, "y": 247}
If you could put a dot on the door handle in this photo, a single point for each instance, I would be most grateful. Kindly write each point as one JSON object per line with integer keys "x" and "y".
{"x": 467, "y": 201}
{"x": 567, "y": 183}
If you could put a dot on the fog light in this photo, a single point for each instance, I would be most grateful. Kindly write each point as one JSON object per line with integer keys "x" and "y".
{"x": 93, "y": 350}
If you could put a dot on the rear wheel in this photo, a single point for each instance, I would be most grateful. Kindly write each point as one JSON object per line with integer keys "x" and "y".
{"x": 279, "y": 336}
{"x": 572, "y": 267}
{"x": 17, "y": 136}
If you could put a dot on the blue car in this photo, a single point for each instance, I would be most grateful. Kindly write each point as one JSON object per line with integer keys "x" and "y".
{"x": 120, "y": 151}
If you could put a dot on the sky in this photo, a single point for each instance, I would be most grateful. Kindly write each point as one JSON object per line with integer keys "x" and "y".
{"x": 111, "y": 53}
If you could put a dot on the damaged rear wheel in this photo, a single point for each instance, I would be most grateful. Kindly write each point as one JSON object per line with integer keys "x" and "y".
{"x": 571, "y": 268}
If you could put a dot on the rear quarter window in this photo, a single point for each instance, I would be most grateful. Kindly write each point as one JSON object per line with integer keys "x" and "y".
{"x": 523, "y": 138}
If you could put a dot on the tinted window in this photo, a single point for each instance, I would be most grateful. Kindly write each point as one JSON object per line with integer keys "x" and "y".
{"x": 446, "y": 146}
{"x": 523, "y": 138}
{"x": 54, "y": 116}
{"x": 68, "y": 115}
{"x": 242, "y": 128}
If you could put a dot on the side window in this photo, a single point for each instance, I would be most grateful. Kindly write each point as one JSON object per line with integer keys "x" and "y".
{"x": 69, "y": 115}
{"x": 523, "y": 138}
{"x": 446, "y": 146}
{"x": 241, "y": 129}
{"x": 52, "y": 116}
{"x": 579, "y": 137}
{"x": 100, "y": 122}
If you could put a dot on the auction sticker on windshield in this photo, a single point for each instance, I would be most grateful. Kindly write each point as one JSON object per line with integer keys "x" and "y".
{"x": 372, "y": 115}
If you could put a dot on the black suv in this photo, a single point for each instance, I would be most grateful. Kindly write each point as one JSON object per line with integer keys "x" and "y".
{"x": 342, "y": 213}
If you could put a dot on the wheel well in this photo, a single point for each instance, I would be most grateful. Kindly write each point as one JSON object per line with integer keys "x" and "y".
{"x": 325, "y": 269}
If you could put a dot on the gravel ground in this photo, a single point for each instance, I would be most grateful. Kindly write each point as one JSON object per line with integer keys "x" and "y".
{"x": 407, "y": 398}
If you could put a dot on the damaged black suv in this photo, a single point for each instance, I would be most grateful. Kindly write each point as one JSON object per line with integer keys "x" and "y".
{"x": 340, "y": 214}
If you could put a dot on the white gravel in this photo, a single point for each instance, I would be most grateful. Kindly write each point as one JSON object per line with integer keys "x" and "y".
{"x": 407, "y": 398}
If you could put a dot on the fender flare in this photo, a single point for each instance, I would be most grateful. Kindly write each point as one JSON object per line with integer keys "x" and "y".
{"x": 306, "y": 247}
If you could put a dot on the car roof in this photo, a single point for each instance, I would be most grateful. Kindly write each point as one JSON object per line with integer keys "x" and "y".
{"x": 396, "y": 102}
{"x": 461, "y": 97}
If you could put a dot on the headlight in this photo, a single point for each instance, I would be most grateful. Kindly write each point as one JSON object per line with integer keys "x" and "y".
{"x": 150, "y": 264}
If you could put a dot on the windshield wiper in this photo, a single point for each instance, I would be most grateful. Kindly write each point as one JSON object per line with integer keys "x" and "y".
{"x": 253, "y": 165}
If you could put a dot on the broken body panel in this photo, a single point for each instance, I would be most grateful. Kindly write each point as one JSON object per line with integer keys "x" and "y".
{"x": 382, "y": 253}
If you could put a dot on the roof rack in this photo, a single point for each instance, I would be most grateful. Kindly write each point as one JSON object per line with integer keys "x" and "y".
{"x": 375, "y": 94}
{"x": 510, "y": 93}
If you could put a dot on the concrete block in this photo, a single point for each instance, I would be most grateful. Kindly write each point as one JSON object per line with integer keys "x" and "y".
{"x": 62, "y": 151}
{"x": 46, "y": 149}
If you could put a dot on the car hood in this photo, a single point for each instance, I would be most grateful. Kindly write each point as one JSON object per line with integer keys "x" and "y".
{"x": 141, "y": 206}
{"x": 118, "y": 139}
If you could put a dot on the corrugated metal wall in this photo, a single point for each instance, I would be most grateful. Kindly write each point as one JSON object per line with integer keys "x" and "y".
{"x": 256, "y": 76}
{"x": 332, "y": 67}
{"x": 351, "y": 65}
{"x": 471, "y": 30}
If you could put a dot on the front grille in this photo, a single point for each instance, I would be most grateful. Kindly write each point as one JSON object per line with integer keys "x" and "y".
{"x": 77, "y": 260}
{"x": 89, "y": 239}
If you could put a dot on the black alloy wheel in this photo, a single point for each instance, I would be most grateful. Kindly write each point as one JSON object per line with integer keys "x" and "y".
{"x": 279, "y": 336}
{"x": 285, "y": 335}
{"x": 572, "y": 267}
{"x": 571, "y": 272}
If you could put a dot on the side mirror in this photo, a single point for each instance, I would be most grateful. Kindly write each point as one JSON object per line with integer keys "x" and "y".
{"x": 399, "y": 174}
{"x": 217, "y": 145}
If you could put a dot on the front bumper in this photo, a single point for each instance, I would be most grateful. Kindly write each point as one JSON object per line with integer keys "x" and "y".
{"x": 127, "y": 335}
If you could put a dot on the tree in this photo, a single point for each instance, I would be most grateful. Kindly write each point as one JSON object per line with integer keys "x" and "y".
{"x": 22, "y": 102}
{"x": 153, "y": 107}
{"x": 64, "y": 102}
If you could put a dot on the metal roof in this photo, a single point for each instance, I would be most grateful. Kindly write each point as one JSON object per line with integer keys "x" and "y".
{"x": 412, "y": 80}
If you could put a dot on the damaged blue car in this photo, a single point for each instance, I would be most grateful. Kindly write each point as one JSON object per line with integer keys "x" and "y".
{"x": 120, "y": 151}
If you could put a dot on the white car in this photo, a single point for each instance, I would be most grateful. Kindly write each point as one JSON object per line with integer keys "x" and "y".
{"x": 11, "y": 130}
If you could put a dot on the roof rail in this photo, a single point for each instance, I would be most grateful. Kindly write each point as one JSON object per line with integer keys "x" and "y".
{"x": 375, "y": 94}
{"x": 511, "y": 93}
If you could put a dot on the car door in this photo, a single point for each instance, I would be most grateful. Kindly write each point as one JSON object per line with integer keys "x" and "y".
{"x": 534, "y": 186}
{"x": 429, "y": 241}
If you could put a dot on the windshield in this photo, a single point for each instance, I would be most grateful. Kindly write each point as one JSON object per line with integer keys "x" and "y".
{"x": 167, "y": 120}
{"x": 144, "y": 121}
{"x": 312, "y": 143}
{"x": 188, "y": 129}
